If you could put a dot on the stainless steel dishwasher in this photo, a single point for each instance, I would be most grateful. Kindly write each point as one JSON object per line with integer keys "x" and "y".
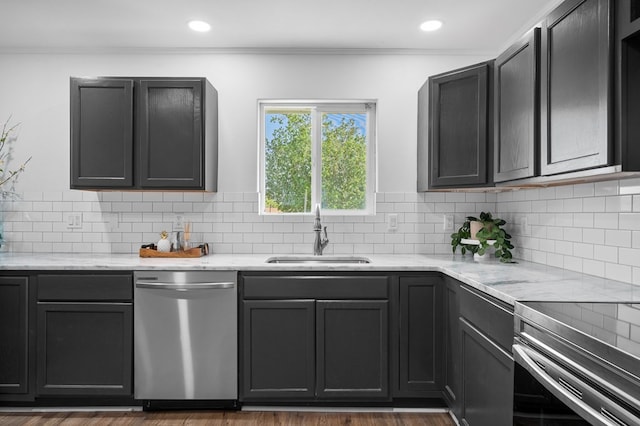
{"x": 185, "y": 339}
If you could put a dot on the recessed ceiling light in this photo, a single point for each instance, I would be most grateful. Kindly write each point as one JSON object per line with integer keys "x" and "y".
{"x": 199, "y": 26}
{"x": 431, "y": 25}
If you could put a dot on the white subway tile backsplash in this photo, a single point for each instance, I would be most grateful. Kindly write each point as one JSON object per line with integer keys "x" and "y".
{"x": 630, "y": 186}
{"x": 629, "y": 221}
{"x": 607, "y": 188}
{"x": 593, "y": 228}
{"x": 618, "y": 272}
{"x": 564, "y": 191}
{"x": 617, "y": 238}
{"x": 600, "y": 221}
{"x": 584, "y": 190}
{"x": 595, "y": 204}
{"x": 606, "y": 253}
{"x": 629, "y": 256}
{"x": 606, "y": 220}
{"x": 619, "y": 204}
{"x": 593, "y": 236}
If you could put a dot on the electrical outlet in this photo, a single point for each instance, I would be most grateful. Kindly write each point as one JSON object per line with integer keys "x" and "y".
{"x": 447, "y": 223}
{"x": 74, "y": 221}
{"x": 178, "y": 222}
{"x": 392, "y": 224}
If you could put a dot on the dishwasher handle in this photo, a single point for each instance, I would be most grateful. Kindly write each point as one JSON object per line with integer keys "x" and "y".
{"x": 156, "y": 285}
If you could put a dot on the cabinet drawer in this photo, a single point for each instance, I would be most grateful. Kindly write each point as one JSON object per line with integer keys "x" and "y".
{"x": 488, "y": 315}
{"x": 89, "y": 287}
{"x": 315, "y": 287}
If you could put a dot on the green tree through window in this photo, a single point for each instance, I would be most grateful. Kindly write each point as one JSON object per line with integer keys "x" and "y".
{"x": 344, "y": 164}
{"x": 288, "y": 163}
{"x": 289, "y": 151}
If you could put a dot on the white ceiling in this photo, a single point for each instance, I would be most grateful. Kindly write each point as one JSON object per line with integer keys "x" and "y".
{"x": 68, "y": 25}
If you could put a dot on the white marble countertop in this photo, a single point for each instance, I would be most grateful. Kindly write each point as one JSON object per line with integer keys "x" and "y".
{"x": 507, "y": 282}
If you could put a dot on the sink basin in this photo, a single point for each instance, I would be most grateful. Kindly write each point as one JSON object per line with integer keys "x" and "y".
{"x": 318, "y": 259}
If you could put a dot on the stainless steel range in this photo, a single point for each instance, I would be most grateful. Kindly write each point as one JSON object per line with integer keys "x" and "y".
{"x": 577, "y": 363}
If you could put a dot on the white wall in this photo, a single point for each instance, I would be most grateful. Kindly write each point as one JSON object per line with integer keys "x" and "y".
{"x": 34, "y": 88}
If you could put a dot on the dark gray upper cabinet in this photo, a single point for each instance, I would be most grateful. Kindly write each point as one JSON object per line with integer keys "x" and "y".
{"x": 14, "y": 336}
{"x": 101, "y": 133}
{"x": 143, "y": 133}
{"x": 458, "y": 129}
{"x": 628, "y": 84}
{"x": 576, "y": 80}
{"x": 516, "y": 110}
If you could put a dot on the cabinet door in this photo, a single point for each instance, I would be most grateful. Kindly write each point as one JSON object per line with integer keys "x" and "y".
{"x": 278, "y": 349}
{"x": 452, "y": 356}
{"x": 488, "y": 379}
{"x": 575, "y": 87}
{"x": 516, "y": 116}
{"x": 85, "y": 348}
{"x": 458, "y": 122}
{"x": 627, "y": 18}
{"x": 101, "y": 133}
{"x": 420, "y": 351}
{"x": 628, "y": 84}
{"x": 170, "y": 132}
{"x": 353, "y": 348}
{"x": 14, "y": 335}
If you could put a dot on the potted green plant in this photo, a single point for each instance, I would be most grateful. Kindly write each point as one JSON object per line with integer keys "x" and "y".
{"x": 479, "y": 236}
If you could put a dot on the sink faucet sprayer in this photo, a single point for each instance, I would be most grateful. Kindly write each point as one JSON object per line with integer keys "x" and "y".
{"x": 321, "y": 241}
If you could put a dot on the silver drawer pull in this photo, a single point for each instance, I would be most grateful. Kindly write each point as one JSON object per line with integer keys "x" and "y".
{"x": 568, "y": 386}
{"x": 610, "y": 416}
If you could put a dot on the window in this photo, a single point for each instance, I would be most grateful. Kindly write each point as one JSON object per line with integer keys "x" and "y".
{"x": 317, "y": 153}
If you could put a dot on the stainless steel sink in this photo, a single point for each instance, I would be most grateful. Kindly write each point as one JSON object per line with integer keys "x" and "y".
{"x": 318, "y": 259}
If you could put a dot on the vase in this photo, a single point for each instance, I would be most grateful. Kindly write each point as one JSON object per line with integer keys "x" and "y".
{"x": 475, "y": 226}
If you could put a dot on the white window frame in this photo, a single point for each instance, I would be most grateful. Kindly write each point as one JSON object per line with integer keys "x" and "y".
{"x": 317, "y": 107}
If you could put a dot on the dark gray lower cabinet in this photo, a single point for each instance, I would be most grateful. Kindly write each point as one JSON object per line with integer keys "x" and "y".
{"x": 486, "y": 335}
{"x": 279, "y": 349}
{"x": 309, "y": 338}
{"x": 84, "y": 335}
{"x": 488, "y": 379}
{"x": 420, "y": 337}
{"x": 353, "y": 348}
{"x": 14, "y": 335}
{"x": 452, "y": 358}
{"x": 310, "y": 349}
{"x": 84, "y": 349}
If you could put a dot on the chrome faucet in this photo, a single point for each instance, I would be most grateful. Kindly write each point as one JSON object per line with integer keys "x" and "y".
{"x": 320, "y": 241}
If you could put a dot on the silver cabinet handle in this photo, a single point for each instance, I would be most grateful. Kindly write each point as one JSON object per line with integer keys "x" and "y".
{"x": 184, "y": 287}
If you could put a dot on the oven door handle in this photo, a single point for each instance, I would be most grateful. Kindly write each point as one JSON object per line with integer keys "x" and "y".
{"x": 571, "y": 390}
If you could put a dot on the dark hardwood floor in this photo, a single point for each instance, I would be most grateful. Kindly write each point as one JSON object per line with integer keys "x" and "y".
{"x": 227, "y": 418}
